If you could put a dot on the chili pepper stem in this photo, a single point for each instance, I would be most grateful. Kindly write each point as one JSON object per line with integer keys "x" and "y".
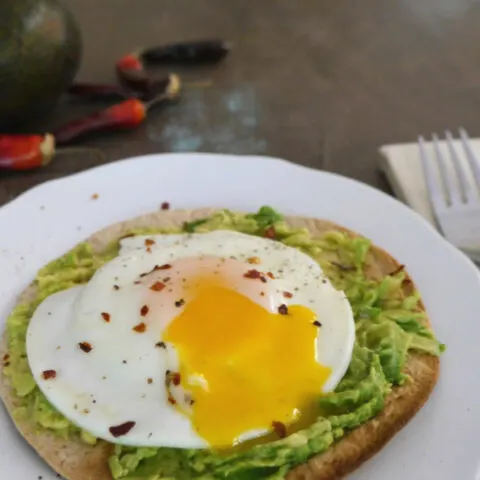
{"x": 47, "y": 148}
{"x": 171, "y": 91}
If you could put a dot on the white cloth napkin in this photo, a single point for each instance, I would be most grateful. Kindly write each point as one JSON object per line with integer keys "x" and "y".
{"x": 402, "y": 167}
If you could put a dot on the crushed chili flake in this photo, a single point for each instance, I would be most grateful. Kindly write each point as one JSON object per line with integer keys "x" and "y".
{"x": 85, "y": 346}
{"x": 253, "y": 260}
{"x": 172, "y": 378}
{"x": 120, "y": 430}
{"x": 6, "y": 357}
{"x": 144, "y": 310}
{"x": 166, "y": 266}
{"x": 262, "y": 294}
{"x": 270, "y": 233}
{"x": 95, "y": 196}
{"x": 157, "y": 287}
{"x": 140, "y": 328}
{"x": 287, "y": 294}
{"x": 166, "y": 279}
{"x": 283, "y": 309}
{"x": 149, "y": 250}
{"x": 160, "y": 345}
{"x": 116, "y": 287}
{"x": 149, "y": 242}
{"x": 165, "y": 206}
{"x": 317, "y": 323}
{"x": 252, "y": 274}
{"x": 106, "y": 316}
{"x": 270, "y": 274}
{"x": 49, "y": 374}
{"x": 255, "y": 274}
{"x": 280, "y": 429}
{"x": 150, "y": 381}
{"x": 137, "y": 282}
{"x": 180, "y": 303}
{"x": 399, "y": 269}
{"x": 171, "y": 400}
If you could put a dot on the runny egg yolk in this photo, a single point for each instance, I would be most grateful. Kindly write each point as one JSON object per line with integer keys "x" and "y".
{"x": 245, "y": 368}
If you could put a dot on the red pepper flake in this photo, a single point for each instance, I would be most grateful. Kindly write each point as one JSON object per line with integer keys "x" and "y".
{"x": 176, "y": 379}
{"x": 283, "y": 309}
{"x": 120, "y": 430}
{"x": 95, "y": 196}
{"x": 262, "y": 294}
{"x": 157, "y": 287}
{"x": 106, "y": 316}
{"x": 166, "y": 279}
{"x": 287, "y": 294}
{"x": 6, "y": 357}
{"x": 399, "y": 269}
{"x": 270, "y": 274}
{"x": 255, "y": 275}
{"x": 172, "y": 377}
{"x": 149, "y": 242}
{"x": 270, "y": 233}
{"x": 317, "y": 323}
{"x": 280, "y": 429}
{"x": 161, "y": 345}
{"x": 149, "y": 250}
{"x": 149, "y": 381}
{"x": 140, "y": 328}
{"x": 180, "y": 303}
{"x": 167, "y": 266}
{"x": 49, "y": 374}
{"x": 165, "y": 206}
{"x": 144, "y": 310}
{"x": 254, "y": 260}
{"x": 171, "y": 400}
{"x": 252, "y": 274}
{"x": 137, "y": 282}
{"x": 85, "y": 346}
{"x": 116, "y": 287}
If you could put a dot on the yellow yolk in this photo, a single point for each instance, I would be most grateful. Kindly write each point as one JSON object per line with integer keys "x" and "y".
{"x": 255, "y": 367}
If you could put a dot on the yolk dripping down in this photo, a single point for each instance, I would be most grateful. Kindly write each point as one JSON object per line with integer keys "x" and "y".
{"x": 256, "y": 367}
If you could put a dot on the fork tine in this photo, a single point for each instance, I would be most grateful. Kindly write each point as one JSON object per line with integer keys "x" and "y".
{"x": 452, "y": 191}
{"x": 467, "y": 191}
{"x": 472, "y": 158}
{"x": 434, "y": 188}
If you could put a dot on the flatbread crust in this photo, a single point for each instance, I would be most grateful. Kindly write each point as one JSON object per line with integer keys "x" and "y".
{"x": 76, "y": 461}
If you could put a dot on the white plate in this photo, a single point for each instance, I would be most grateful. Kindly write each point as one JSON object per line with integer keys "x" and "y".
{"x": 441, "y": 442}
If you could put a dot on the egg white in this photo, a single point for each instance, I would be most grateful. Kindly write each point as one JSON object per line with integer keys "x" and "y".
{"x": 109, "y": 385}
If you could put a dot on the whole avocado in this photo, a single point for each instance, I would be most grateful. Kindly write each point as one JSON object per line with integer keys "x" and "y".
{"x": 40, "y": 53}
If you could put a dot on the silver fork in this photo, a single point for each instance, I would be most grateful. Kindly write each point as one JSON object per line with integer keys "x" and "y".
{"x": 452, "y": 176}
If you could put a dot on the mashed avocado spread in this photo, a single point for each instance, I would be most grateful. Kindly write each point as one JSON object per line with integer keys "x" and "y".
{"x": 389, "y": 324}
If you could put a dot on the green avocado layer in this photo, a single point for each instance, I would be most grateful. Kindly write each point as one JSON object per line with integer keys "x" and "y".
{"x": 388, "y": 326}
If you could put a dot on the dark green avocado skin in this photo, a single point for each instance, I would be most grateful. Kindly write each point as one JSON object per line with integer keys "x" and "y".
{"x": 40, "y": 53}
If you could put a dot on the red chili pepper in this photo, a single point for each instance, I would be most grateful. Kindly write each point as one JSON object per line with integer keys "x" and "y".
{"x": 131, "y": 71}
{"x": 25, "y": 152}
{"x": 125, "y": 115}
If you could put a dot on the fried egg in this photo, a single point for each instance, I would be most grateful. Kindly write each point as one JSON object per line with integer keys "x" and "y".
{"x": 193, "y": 341}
